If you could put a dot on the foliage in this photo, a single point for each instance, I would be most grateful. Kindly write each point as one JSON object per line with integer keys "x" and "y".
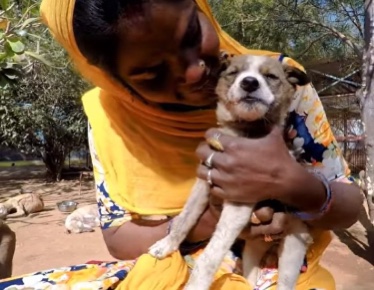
{"x": 17, "y": 24}
{"x": 40, "y": 109}
{"x": 303, "y": 29}
{"x": 44, "y": 115}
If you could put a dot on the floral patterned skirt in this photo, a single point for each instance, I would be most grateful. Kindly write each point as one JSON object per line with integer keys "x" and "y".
{"x": 90, "y": 276}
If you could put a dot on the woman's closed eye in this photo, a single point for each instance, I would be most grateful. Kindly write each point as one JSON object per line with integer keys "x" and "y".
{"x": 193, "y": 35}
{"x": 148, "y": 73}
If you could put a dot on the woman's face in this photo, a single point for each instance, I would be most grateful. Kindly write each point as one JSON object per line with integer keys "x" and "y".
{"x": 161, "y": 52}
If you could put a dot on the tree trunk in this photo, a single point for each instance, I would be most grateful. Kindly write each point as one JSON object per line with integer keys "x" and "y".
{"x": 54, "y": 162}
{"x": 367, "y": 101}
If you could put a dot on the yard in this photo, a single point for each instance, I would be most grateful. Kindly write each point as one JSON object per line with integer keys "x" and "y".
{"x": 42, "y": 242}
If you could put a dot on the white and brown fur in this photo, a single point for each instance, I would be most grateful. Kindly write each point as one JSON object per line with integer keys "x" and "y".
{"x": 254, "y": 93}
{"x": 21, "y": 205}
{"x": 83, "y": 219}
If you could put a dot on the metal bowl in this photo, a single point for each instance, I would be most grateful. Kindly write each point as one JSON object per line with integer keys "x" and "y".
{"x": 67, "y": 205}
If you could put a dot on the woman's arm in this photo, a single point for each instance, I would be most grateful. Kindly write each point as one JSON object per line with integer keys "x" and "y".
{"x": 125, "y": 237}
{"x": 308, "y": 193}
{"x": 133, "y": 238}
{"x": 130, "y": 240}
{"x": 310, "y": 129}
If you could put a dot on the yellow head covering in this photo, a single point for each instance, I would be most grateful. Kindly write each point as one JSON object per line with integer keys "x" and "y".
{"x": 148, "y": 155}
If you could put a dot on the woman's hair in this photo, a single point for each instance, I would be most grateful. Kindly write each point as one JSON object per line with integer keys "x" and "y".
{"x": 96, "y": 26}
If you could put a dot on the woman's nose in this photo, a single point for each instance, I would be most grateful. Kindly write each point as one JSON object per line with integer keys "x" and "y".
{"x": 195, "y": 71}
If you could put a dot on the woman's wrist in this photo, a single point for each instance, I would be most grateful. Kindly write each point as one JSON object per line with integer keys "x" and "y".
{"x": 316, "y": 215}
{"x": 303, "y": 190}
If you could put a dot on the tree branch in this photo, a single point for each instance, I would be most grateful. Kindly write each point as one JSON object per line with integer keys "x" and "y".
{"x": 311, "y": 45}
{"x": 337, "y": 34}
{"x": 354, "y": 19}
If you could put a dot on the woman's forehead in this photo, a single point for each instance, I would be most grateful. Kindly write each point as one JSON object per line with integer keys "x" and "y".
{"x": 161, "y": 28}
{"x": 157, "y": 11}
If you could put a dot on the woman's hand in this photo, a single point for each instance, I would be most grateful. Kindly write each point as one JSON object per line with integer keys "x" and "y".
{"x": 248, "y": 170}
{"x": 269, "y": 219}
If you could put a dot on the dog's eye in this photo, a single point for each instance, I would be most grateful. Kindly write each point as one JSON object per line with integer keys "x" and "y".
{"x": 271, "y": 76}
{"x": 231, "y": 73}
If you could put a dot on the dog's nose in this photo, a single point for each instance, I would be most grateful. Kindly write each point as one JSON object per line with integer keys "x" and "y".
{"x": 249, "y": 84}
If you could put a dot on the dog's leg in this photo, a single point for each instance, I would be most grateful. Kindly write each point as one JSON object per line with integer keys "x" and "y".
{"x": 87, "y": 228}
{"x": 254, "y": 251}
{"x": 291, "y": 254}
{"x": 234, "y": 218}
{"x": 183, "y": 223}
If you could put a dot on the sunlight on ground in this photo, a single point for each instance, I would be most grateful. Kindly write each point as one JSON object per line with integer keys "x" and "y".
{"x": 43, "y": 244}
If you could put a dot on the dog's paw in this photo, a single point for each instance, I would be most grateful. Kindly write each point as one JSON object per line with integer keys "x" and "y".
{"x": 163, "y": 247}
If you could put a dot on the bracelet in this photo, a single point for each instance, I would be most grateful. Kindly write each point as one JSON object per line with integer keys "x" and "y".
{"x": 326, "y": 205}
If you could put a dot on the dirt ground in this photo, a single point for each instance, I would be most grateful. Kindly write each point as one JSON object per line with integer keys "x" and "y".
{"x": 43, "y": 244}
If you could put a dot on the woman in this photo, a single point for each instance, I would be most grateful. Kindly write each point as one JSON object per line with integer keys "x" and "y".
{"x": 155, "y": 64}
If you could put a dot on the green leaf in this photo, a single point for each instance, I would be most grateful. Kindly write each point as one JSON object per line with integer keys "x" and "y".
{"x": 3, "y": 56}
{"x": 17, "y": 46}
{"x": 4, "y": 4}
{"x": 8, "y": 50}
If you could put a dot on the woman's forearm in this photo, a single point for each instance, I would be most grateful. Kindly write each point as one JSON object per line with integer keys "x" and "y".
{"x": 302, "y": 190}
{"x": 131, "y": 239}
{"x": 344, "y": 209}
{"x": 308, "y": 193}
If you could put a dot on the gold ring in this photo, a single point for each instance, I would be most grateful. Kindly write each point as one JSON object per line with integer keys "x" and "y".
{"x": 215, "y": 143}
{"x": 268, "y": 238}
{"x": 254, "y": 219}
{"x": 209, "y": 161}
{"x": 209, "y": 177}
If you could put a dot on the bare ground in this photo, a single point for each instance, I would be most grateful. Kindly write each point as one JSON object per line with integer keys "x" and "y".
{"x": 43, "y": 244}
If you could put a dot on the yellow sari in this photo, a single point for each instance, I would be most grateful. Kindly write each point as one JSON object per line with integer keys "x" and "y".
{"x": 131, "y": 140}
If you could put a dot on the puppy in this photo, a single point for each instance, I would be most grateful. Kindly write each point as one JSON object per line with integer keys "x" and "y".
{"x": 83, "y": 219}
{"x": 254, "y": 92}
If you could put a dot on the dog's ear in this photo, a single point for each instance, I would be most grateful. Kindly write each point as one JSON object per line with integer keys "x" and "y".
{"x": 296, "y": 76}
{"x": 225, "y": 63}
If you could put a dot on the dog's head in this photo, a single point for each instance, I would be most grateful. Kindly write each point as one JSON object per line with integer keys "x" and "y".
{"x": 256, "y": 87}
